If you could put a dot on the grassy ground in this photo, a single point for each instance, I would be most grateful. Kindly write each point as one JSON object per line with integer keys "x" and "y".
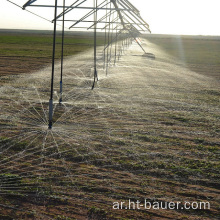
{"x": 24, "y": 52}
{"x": 158, "y": 140}
{"x": 198, "y": 53}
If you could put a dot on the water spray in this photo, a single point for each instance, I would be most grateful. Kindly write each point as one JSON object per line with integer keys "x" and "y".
{"x": 127, "y": 25}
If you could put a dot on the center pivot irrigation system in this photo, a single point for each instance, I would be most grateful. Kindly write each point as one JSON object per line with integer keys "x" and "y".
{"x": 120, "y": 21}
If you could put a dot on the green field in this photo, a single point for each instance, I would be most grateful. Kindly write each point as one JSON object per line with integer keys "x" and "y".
{"x": 201, "y": 54}
{"x": 22, "y": 52}
{"x": 149, "y": 130}
{"x": 40, "y": 46}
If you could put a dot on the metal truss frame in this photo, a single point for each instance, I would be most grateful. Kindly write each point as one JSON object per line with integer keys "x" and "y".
{"x": 120, "y": 31}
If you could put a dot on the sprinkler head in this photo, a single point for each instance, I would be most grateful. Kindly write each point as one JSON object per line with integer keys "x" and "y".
{"x": 50, "y": 113}
{"x": 50, "y": 125}
{"x": 60, "y": 101}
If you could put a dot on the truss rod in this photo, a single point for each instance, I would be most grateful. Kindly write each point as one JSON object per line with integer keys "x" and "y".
{"x": 107, "y": 59}
{"x": 88, "y": 14}
{"x": 110, "y": 22}
{"x": 68, "y": 10}
{"x": 133, "y": 21}
{"x": 132, "y": 6}
{"x": 112, "y": 30}
{"x": 51, "y": 6}
{"x": 137, "y": 16}
{"x": 95, "y": 45}
{"x": 62, "y": 51}
{"x": 116, "y": 42}
{"x": 116, "y": 37}
{"x": 121, "y": 18}
{"x": 53, "y": 66}
{"x": 28, "y": 3}
{"x": 104, "y": 55}
{"x": 100, "y": 20}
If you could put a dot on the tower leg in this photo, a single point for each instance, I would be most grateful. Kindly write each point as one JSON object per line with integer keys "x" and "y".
{"x": 50, "y": 113}
{"x": 61, "y": 92}
{"x": 53, "y": 65}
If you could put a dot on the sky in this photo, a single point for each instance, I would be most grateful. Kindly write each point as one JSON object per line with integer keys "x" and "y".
{"x": 185, "y": 17}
